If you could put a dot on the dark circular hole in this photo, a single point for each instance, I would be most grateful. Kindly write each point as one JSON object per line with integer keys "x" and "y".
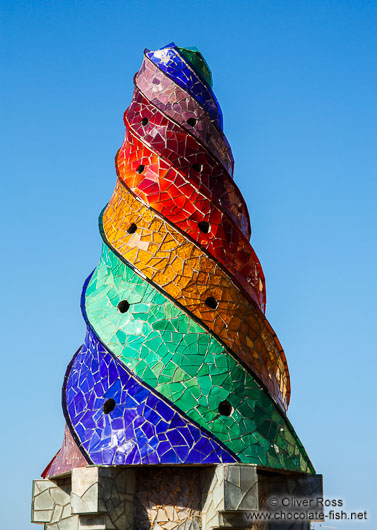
{"x": 225, "y": 408}
{"x": 123, "y": 306}
{"x": 132, "y": 228}
{"x": 211, "y": 302}
{"x": 192, "y": 122}
{"x": 108, "y": 406}
{"x": 144, "y": 122}
{"x": 204, "y": 227}
{"x": 140, "y": 169}
{"x": 197, "y": 167}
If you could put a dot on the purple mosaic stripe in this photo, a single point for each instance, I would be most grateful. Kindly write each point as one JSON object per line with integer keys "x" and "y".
{"x": 178, "y": 105}
{"x": 143, "y": 428}
{"x": 173, "y": 65}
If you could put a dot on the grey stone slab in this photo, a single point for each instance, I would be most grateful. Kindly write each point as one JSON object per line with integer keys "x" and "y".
{"x": 41, "y": 516}
{"x": 85, "y": 490}
{"x": 233, "y": 474}
{"x": 93, "y": 522}
{"x": 44, "y": 501}
{"x": 67, "y": 511}
{"x": 71, "y": 523}
{"x": 42, "y": 504}
{"x": 57, "y": 513}
{"x": 40, "y": 485}
{"x": 241, "y": 487}
{"x": 60, "y": 496}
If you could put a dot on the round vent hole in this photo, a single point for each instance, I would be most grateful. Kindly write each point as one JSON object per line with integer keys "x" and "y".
{"x": 123, "y": 306}
{"x": 211, "y": 302}
{"x": 204, "y": 227}
{"x": 132, "y": 228}
{"x": 197, "y": 167}
{"x": 144, "y": 122}
{"x": 140, "y": 169}
{"x": 108, "y": 406}
{"x": 192, "y": 122}
{"x": 225, "y": 408}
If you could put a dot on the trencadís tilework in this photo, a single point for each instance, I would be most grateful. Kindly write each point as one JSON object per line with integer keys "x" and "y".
{"x": 179, "y": 364}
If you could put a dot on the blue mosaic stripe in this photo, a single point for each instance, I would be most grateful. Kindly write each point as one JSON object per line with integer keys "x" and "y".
{"x": 142, "y": 428}
{"x": 171, "y": 63}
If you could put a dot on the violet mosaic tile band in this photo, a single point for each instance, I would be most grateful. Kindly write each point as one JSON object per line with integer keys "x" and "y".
{"x": 181, "y": 107}
{"x": 172, "y": 64}
{"x": 119, "y": 421}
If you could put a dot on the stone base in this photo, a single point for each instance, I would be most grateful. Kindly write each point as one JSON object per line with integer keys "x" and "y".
{"x": 167, "y": 497}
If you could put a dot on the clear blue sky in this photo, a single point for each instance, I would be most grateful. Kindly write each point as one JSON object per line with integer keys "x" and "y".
{"x": 297, "y": 82}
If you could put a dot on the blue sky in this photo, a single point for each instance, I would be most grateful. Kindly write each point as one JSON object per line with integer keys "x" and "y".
{"x": 297, "y": 82}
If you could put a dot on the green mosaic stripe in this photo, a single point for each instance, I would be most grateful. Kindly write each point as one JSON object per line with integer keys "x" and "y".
{"x": 182, "y": 361}
{"x": 197, "y": 61}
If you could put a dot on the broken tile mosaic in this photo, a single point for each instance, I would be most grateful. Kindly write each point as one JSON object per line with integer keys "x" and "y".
{"x": 179, "y": 106}
{"x": 139, "y": 427}
{"x": 169, "y": 60}
{"x": 186, "y": 274}
{"x": 216, "y": 238}
{"x": 68, "y": 457}
{"x": 179, "y": 186}
{"x": 179, "y": 365}
{"x": 173, "y": 354}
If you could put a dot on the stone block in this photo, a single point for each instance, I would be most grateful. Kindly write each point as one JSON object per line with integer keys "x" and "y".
{"x": 93, "y": 522}
{"x": 85, "y": 490}
{"x": 166, "y": 497}
{"x": 240, "y": 487}
{"x": 227, "y": 487}
{"x": 50, "y": 500}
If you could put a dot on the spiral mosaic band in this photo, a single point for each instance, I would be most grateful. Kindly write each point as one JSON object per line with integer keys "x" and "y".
{"x": 185, "y": 273}
{"x": 193, "y": 168}
{"x": 180, "y": 107}
{"x": 172, "y": 63}
{"x": 179, "y": 359}
{"x": 179, "y": 364}
{"x": 141, "y": 429}
{"x": 218, "y": 238}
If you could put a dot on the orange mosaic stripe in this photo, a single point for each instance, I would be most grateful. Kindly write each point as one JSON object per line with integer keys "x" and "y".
{"x": 178, "y": 266}
{"x": 166, "y": 191}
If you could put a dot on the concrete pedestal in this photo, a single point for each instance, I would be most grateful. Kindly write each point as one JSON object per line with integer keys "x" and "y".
{"x": 168, "y": 497}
